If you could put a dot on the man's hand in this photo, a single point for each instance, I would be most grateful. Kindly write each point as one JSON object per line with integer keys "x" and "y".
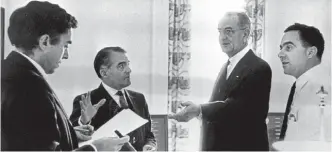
{"x": 88, "y": 111}
{"x": 84, "y": 132}
{"x": 190, "y": 111}
{"x": 110, "y": 143}
{"x": 149, "y": 148}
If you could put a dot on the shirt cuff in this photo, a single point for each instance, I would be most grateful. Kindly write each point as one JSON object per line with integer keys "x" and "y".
{"x": 94, "y": 147}
{"x": 152, "y": 145}
{"x": 81, "y": 124}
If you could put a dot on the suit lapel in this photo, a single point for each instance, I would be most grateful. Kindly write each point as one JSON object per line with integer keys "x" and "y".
{"x": 60, "y": 115}
{"x": 26, "y": 64}
{"x": 103, "y": 93}
{"x": 110, "y": 104}
{"x": 219, "y": 85}
{"x": 64, "y": 117}
{"x": 130, "y": 101}
{"x": 240, "y": 71}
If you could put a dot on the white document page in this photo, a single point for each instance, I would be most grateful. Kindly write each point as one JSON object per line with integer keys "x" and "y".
{"x": 125, "y": 122}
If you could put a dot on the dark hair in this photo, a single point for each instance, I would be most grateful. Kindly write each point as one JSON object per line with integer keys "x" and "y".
{"x": 103, "y": 57}
{"x": 28, "y": 23}
{"x": 309, "y": 36}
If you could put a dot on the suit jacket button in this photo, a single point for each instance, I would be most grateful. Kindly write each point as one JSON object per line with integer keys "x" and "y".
{"x": 134, "y": 140}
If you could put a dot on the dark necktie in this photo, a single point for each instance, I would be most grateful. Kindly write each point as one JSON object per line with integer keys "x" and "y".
{"x": 122, "y": 100}
{"x": 288, "y": 109}
{"x": 220, "y": 79}
{"x": 114, "y": 109}
{"x": 228, "y": 72}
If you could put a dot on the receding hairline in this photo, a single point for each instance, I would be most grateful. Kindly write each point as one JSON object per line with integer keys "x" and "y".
{"x": 111, "y": 51}
{"x": 243, "y": 20}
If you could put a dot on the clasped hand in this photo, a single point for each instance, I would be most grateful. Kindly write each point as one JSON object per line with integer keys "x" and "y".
{"x": 84, "y": 132}
{"x": 190, "y": 111}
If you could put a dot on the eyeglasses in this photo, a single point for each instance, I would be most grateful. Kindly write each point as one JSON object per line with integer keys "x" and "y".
{"x": 229, "y": 31}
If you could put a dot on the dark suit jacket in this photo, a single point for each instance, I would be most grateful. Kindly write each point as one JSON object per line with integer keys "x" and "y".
{"x": 32, "y": 117}
{"x": 239, "y": 123}
{"x": 137, "y": 103}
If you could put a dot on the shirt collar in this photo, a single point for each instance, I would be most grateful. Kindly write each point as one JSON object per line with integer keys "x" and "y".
{"x": 306, "y": 76}
{"x": 111, "y": 91}
{"x": 34, "y": 63}
{"x": 238, "y": 56}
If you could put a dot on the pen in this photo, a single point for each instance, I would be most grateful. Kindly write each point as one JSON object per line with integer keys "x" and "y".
{"x": 118, "y": 133}
{"x": 127, "y": 144}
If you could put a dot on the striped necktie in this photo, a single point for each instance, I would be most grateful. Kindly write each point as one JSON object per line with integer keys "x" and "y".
{"x": 122, "y": 100}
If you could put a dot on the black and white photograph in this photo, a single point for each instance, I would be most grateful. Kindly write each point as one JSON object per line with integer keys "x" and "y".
{"x": 165, "y": 75}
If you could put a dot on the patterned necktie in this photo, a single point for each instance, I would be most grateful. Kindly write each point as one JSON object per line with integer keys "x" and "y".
{"x": 288, "y": 109}
{"x": 122, "y": 100}
{"x": 114, "y": 109}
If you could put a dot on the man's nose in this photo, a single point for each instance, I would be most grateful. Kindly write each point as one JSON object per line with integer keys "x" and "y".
{"x": 129, "y": 70}
{"x": 65, "y": 54}
{"x": 223, "y": 37}
{"x": 281, "y": 54}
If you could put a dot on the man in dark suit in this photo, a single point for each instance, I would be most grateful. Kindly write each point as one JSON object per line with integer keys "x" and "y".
{"x": 234, "y": 117}
{"x": 103, "y": 103}
{"x": 32, "y": 117}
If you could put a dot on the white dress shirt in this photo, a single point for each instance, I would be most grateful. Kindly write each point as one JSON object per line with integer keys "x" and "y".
{"x": 305, "y": 115}
{"x": 303, "y": 79}
{"x": 112, "y": 92}
{"x": 235, "y": 59}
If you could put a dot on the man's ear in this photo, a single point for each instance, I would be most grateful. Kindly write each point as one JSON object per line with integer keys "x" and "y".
{"x": 44, "y": 42}
{"x": 311, "y": 52}
{"x": 246, "y": 34}
{"x": 103, "y": 71}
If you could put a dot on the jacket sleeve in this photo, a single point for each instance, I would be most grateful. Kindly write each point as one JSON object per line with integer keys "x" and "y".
{"x": 29, "y": 119}
{"x": 76, "y": 113}
{"x": 149, "y": 136}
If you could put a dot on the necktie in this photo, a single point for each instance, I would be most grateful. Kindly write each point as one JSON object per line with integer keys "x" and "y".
{"x": 114, "y": 109}
{"x": 229, "y": 65}
{"x": 288, "y": 109}
{"x": 220, "y": 79}
{"x": 122, "y": 100}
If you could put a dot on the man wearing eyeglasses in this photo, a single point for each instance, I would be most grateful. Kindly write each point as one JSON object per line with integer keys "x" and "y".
{"x": 234, "y": 117}
{"x": 103, "y": 103}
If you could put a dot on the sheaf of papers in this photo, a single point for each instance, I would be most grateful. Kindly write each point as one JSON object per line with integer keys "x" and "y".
{"x": 125, "y": 122}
